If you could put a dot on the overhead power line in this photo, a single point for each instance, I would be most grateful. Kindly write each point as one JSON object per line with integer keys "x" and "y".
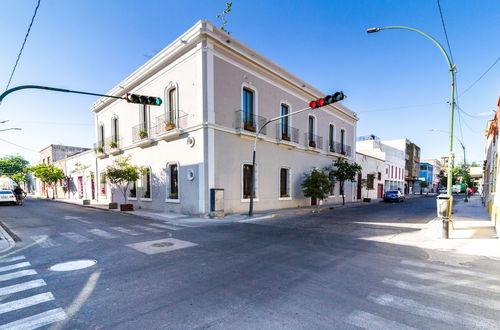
{"x": 445, "y": 33}
{"x": 481, "y": 76}
{"x": 17, "y": 145}
{"x": 22, "y": 47}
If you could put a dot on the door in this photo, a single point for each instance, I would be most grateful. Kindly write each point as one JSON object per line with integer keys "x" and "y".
{"x": 359, "y": 186}
{"x": 380, "y": 190}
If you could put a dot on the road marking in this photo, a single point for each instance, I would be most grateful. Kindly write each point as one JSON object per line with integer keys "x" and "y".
{"x": 21, "y": 287}
{"x": 26, "y": 302}
{"x": 161, "y": 245}
{"x": 70, "y": 217}
{"x": 102, "y": 233}
{"x": 11, "y": 259}
{"x": 76, "y": 237}
{"x": 159, "y": 225}
{"x": 126, "y": 231}
{"x": 449, "y": 269}
{"x": 437, "y": 292}
{"x": 44, "y": 241}
{"x": 366, "y": 320}
{"x": 441, "y": 277}
{"x": 411, "y": 306}
{"x": 15, "y": 266}
{"x": 18, "y": 274}
{"x": 37, "y": 321}
{"x": 146, "y": 228}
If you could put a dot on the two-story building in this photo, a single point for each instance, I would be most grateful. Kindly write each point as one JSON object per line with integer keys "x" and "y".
{"x": 217, "y": 93}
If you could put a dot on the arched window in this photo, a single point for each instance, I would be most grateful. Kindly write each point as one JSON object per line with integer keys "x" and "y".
{"x": 172, "y": 110}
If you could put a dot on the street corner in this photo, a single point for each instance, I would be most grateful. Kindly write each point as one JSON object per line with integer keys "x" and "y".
{"x": 7, "y": 242}
{"x": 161, "y": 245}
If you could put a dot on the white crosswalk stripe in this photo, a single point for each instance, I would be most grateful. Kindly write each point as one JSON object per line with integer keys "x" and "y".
{"x": 36, "y": 321}
{"x": 44, "y": 241}
{"x": 26, "y": 302}
{"x": 416, "y": 308}
{"x": 21, "y": 287}
{"x": 15, "y": 266}
{"x": 11, "y": 259}
{"x": 159, "y": 225}
{"x": 441, "y": 278}
{"x": 449, "y": 269}
{"x": 21, "y": 273}
{"x": 366, "y": 320}
{"x": 126, "y": 231}
{"x": 146, "y": 228}
{"x": 77, "y": 238}
{"x": 102, "y": 233}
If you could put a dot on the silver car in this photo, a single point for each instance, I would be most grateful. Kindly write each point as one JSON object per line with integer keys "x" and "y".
{"x": 7, "y": 196}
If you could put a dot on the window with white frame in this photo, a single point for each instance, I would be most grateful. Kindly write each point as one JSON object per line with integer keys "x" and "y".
{"x": 172, "y": 111}
{"x": 331, "y": 137}
{"x": 342, "y": 141}
{"x": 248, "y": 111}
{"x": 311, "y": 137}
{"x": 285, "y": 126}
{"x": 247, "y": 181}
{"x": 285, "y": 182}
{"x": 144, "y": 117}
{"x": 101, "y": 137}
{"x": 173, "y": 181}
{"x": 146, "y": 183}
{"x": 114, "y": 132}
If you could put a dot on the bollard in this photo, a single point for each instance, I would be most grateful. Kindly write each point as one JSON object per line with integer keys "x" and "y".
{"x": 446, "y": 228}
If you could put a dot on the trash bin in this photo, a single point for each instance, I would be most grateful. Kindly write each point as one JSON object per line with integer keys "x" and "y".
{"x": 444, "y": 205}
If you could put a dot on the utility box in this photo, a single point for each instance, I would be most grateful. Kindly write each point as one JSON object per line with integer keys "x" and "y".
{"x": 444, "y": 205}
{"x": 216, "y": 203}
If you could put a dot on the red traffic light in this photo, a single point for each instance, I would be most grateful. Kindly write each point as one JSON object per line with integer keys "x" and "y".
{"x": 329, "y": 99}
{"x": 313, "y": 105}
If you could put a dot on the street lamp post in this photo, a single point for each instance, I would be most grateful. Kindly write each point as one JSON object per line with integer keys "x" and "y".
{"x": 452, "y": 69}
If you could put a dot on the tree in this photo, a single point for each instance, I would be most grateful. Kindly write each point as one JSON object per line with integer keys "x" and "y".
{"x": 368, "y": 184}
{"x": 121, "y": 173}
{"x": 316, "y": 184}
{"x": 80, "y": 170}
{"x": 222, "y": 17}
{"x": 14, "y": 167}
{"x": 49, "y": 174}
{"x": 344, "y": 171}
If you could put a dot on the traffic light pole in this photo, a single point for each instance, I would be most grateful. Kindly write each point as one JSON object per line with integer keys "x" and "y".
{"x": 252, "y": 189}
{"x": 7, "y": 92}
{"x": 452, "y": 69}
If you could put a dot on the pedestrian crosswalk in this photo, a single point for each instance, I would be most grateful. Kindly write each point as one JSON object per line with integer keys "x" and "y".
{"x": 24, "y": 301}
{"x": 90, "y": 235}
{"x": 460, "y": 298}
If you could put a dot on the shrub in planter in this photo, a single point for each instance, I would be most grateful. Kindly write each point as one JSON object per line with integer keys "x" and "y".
{"x": 143, "y": 134}
{"x": 113, "y": 144}
{"x": 312, "y": 144}
{"x": 367, "y": 200}
{"x": 169, "y": 126}
{"x": 173, "y": 196}
{"x": 113, "y": 206}
{"x": 86, "y": 202}
{"x": 99, "y": 149}
{"x": 126, "y": 207}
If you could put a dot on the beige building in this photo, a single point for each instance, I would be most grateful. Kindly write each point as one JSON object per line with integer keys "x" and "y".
{"x": 217, "y": 93}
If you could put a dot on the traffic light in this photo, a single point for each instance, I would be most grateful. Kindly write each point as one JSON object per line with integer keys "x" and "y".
{"x": 329, "y": 99}
{"x": 143, "y": 99}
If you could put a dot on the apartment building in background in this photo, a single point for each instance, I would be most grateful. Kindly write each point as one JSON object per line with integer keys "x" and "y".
{"x": 412, "y": 162}
{"x": 217, "y": 93}
{"x": 437, "y": 174}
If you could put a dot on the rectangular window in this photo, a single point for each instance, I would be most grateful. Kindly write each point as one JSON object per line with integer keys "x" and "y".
{"x": 285, "y": 130}
{"x": 172, "y": 106}
{"x": 312, "y": 142}
{"x": 146, "y": 183}
{"x": 174, "y": 182}
{"x": 379, "y": 176}
{"x": 369, "y": 181}
{"x": 101, "y": 136}
{"x": 247, "y": 181}
{"x": 248, "y": 110}
{"x": 144, "y": 117}
{"x": 114, "y": 128}
{"x": 342, "y": 141}
{"x": 132, "y": 193}
{"x": 284, "y": 185}
{"x": 331, "y": 138}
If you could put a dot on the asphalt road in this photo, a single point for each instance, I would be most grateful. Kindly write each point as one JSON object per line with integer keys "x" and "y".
{"x": 316, "y": 271}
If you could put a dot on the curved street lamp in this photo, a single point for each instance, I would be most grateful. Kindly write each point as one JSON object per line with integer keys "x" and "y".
{"x": 452, "y": 70}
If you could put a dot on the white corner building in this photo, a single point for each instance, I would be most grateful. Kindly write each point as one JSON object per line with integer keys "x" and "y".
{"x": 216, "y": 94}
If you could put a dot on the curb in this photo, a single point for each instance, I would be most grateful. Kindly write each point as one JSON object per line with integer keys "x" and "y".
{"x": 7, "y": 237}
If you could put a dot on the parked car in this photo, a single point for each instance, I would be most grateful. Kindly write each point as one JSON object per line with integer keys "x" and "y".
{"x": 442, "y": 191}
{"x": 393, "y": 196}
{"x": 7, "y": 196}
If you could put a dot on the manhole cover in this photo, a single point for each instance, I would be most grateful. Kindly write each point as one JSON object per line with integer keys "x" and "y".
{"x": 163, "y": 244}
{"x": 73, "y": 265}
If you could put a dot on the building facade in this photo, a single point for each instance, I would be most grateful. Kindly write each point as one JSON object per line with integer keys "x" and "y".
{"x": 437, "y": 174}
{"x": 372, "y": 175}
{"x": 412, "y": 162}
{"x": 217, "y": 94}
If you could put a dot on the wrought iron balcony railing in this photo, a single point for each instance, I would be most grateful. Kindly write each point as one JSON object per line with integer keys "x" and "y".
{"x": 313, "y": 141}
{"x": 249, "y": 122}
{"x": 114, "y": 142}
{"x": 141, "y": 132}
{"x": 171, "y": 121}
{"x": 287, "y": 133}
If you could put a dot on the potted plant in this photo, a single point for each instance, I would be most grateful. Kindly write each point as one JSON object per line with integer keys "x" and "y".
{"x": 143, "y": 134}
{"x": 100, "y": 149}
{"x": 122, "y": 173}
{"x": 113, "y": 144}
{"x": 312, "y": 144}
{"x": 173, "y": 196}
{"x": 169, "y": 126}
{"x": 249, "y": 126}
{"x": 285, "y": 137}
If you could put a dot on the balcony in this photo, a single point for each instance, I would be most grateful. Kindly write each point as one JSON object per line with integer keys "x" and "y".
{"x": 170, "y": 125}
{"x": 313, "y": 142}
{"x": 100, "y": 151}
{"x": 247, "y": 124}
{"x": 339, "y": 148}
{"x": 287, "y": 135}
{"x": 113, "y": 145}
{"x": 141, "y": 135}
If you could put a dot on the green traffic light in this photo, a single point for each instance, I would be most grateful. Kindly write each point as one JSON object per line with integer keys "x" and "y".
{"x": 158, "y": 101}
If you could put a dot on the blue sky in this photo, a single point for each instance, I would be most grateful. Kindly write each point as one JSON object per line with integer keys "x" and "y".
{"x": 397, "y": 81}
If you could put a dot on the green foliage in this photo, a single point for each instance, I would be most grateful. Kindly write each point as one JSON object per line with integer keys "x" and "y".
{"x": 344, "y": 171}
{"x": 14, "y": 167}
{"x": 460, "y": 175}
{"x": 316, "y": 184}
{"x": 49, "y": 174}
{"x": 122, "y": 173}
{"x": 222, "y": 17}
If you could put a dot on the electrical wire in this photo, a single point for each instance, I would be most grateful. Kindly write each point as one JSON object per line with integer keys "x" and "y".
{"x": 481, "y": 76}
{"x": 22, "y": 47}
{"x": 402, "y": 107}
{"x": 17, "y": 145}
{"x": 445, "y": 32}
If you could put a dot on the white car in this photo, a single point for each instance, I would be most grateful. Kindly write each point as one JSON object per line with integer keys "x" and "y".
{"x": 7, "y": 196}
{"x": 442, "y": 191}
